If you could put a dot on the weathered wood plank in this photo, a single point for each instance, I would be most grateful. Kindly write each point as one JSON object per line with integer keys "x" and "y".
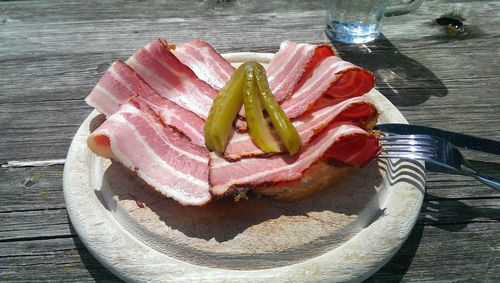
{"x": 31, "y": 188}
{"x": 455, "y": 187}
{"x": 465, "y": 253}
{"x": 28, "y": 11}
{"x": 59, "y": 260}
{"x": 18, "y": 225}
{"x": 50, "y": 60}
{"x": 223, "y": 30}
{"x": 41, "y": 130}
{"x": 424, "y": 257}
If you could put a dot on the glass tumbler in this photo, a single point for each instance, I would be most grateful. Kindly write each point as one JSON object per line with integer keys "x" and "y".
{"x": 360, "y": 21}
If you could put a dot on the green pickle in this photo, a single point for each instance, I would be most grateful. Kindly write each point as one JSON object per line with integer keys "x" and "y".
{"x": 259, "y": 129}
{"x": 248, "y": 85}
{"x": 225, "y": 107}
{"x": 281, "y": 123}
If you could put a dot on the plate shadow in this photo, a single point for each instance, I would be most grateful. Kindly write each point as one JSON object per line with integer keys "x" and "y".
{"x": 404, "y": 81}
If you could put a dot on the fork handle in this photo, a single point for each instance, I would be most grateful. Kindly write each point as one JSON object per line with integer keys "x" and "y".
{"x": 487, "y": 180}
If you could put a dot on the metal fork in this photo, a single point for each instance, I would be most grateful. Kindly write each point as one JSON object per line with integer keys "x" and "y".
{"x": 434, "y": 150}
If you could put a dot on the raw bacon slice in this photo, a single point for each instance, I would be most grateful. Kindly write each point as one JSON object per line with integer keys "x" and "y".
{"x": 352, "y": 83}
{"x": 321, "y": 79}
{"x": 177, "y": 117}
{"x": 320, "y": 53}
{"x": 324, "y": 112}
{"x": 121, "y": 84}
{"x": 113, "y": 89}
{"x": 355, "y": 150}
{"x": 162, "y": 158}
{"x": 205, "y": 62}
{"x": 172, "y": 79}
{"x": 252, "y": 172}
{"x": 287, "y": 66}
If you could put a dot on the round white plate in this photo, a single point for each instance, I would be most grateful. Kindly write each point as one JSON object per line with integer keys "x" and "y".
{"x": 344, "y": 234}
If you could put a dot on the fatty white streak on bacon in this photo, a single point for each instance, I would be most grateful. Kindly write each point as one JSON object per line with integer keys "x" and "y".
{"x": 322, "y": 77}
{"x": 284, "y": 71}
{"x": 162, "y": 158}
{"x": 177, "y": 117}
{"x": 309, "y": 124}
{"x": 252, "y": 172}
{"x": 113, "y": 89}
{"x": 120, "y": 84}
{"x": 205, "y": 62}
{"x": 172, "y": 79}
{"x": 287, "y": 66}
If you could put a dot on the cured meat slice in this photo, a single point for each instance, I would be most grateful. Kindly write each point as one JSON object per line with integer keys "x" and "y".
{"x": 121, "y": 84}
{"x": 252, "y": 172}
{"x": 287, "y": 66}
{"x": 320, "y": 53}
{"x": 113, "y": 89}
{"x": 157, "y": 154}
{"x": 172, "y": 79}
{"x": 177, "y": 117}
{"x": 205, "y": 62}
{"x": 352, "y": 83}
{"x": 321, "y": 79}
{"x": 333, "y": 76}
{"x": 356, "y": 150}
{"x": 324, "y": 112}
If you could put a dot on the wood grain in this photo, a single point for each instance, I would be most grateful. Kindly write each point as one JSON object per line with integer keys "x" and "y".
{"x": 53, "y": 52}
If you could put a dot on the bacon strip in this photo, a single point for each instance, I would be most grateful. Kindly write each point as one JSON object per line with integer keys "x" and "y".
{"x": 172, "y": 79}
{"x": 309, "y": 124}
{"x": 175, "y": 116}
{"x": 287, "y": 66}
{"x": 326, "y": 74}
{"x": 334, "y": 76}
{"x": 352, "y": 83}
{"x": 163, "y": 159}
{"x": 113, "y": 89}
{"x": 252, "y": 172}
{"x": 356, "y": 150}
{"x": 205, "y": 62}
{"x": 120, "y": 84}
{"x": 320, "y": 52}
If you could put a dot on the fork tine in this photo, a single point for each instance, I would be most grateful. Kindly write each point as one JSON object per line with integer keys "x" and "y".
{"x": 408, "y": 146}
{"x": 403, "y": 149}
{"x": 413, "y": 137}
{"x": 425, "y": 143}
{"x": 403, "y": 155}
{"x": 409, "y": 140}
{"x": 408, "y": 137}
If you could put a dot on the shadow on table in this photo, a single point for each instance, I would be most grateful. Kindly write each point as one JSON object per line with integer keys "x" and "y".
{"x": 438, "y": 212}
{"x": 441, "y": 213}
{"x": 98, "y": 272}
{"x": 396, "y": 268}
{"x": 404, "y": 81}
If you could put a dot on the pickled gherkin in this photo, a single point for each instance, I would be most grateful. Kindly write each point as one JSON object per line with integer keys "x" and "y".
{"x": 281, "y": 123}
{"x": 259, "y": 129}
{"x": 227, "y": 104}
{"x": 248, "y": 85}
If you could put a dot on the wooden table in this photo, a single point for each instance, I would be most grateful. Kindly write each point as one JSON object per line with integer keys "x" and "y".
{"x": 53, "y": 52}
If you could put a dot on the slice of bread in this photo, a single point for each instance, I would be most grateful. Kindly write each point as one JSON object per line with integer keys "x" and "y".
{"x": 317, "y": 178}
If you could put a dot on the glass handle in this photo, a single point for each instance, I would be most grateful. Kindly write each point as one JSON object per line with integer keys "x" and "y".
{"x": 402, "y": 9}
